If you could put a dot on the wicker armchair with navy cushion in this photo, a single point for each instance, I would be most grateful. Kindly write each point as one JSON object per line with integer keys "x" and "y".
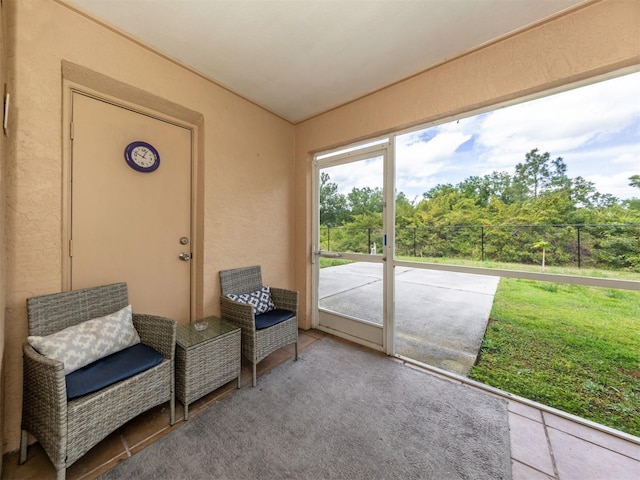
{"x": 267, "y": 315}
{"x": 90, "y": 366}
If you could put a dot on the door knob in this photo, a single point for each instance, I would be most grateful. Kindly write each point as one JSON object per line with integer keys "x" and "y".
{"x": 184, "y": 256}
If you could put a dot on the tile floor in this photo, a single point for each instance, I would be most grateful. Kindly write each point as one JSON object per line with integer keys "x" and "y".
{"x": 544, "y": 446}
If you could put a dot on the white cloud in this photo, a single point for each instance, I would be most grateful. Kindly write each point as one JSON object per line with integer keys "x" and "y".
{"x": 423, "y": 159}
{"x": 616, "y": 185}
{"x": 563, "y": 122}
{"x": 360, "y": 174}
{"x": 596, "y": 129}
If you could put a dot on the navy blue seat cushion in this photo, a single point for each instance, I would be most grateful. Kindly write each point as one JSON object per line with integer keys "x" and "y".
{"x": 111, "y": 369}
{"x": 272, "y": 317}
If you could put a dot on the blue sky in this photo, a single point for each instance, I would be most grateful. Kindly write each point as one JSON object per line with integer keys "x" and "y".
{"x": 595, "y": 129}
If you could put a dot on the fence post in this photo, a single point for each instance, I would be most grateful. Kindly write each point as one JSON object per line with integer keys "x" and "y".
{"x": 579, "y": 247}
{"x": 482, "y": 241}
{"x": 369, "y": 239}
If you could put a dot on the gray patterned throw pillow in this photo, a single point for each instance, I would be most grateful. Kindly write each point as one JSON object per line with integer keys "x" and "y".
{"x": 88, "y": 341}
{"x": 260, "y": 299}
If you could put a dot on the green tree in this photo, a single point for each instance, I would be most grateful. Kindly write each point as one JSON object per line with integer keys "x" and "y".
{"x": 497, "y": 185}
{"x": 405, "y": 211}
{"x": 633, "y": 203}
{"x": 539, "y": 173}
{"x": 438, "y": 190}
{"x": 583, "y": 192}
{"x": 477, "y": 188}
{"x": 502, "y": 187}
{"x": 364, "y": 200}
{"x": 498, "y": 217}
{"x": 333, "y": 205}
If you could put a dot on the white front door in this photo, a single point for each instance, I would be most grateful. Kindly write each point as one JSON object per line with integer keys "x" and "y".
{"x": 130, "y": 225}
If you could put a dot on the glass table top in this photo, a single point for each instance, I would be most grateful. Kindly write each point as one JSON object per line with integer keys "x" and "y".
{"x": 188, "y": 335}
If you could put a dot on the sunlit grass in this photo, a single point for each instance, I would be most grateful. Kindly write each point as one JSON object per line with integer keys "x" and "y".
{"x": 571, "y": 347}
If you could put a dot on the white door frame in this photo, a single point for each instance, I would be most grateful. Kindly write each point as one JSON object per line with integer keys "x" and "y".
{"x": 383, "y": 340}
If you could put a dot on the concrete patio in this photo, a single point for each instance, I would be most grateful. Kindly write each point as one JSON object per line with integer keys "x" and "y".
{"x": 440, "y": 316}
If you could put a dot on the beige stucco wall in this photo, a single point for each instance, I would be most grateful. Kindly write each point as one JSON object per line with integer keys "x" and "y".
{"x": 2, "y": 228}
{"x": 248, "y": 184}
{"x": 597, "y": 39}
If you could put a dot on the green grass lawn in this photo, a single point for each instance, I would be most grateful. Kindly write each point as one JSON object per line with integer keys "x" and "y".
{"x": 570, "y": 347}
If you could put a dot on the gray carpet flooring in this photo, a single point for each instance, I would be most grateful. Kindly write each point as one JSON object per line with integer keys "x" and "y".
{"x": 337, "y": 413}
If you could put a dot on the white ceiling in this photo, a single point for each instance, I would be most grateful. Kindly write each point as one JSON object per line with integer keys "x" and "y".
{"x": 298, "y": 58}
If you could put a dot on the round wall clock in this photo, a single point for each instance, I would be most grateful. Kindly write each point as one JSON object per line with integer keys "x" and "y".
{"x": 142, "y": 157}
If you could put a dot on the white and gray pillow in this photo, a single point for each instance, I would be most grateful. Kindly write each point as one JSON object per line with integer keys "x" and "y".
{"x": 82, "y": 344}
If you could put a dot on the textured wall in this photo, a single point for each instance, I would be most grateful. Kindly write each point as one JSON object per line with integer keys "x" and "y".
{"x": 3, "y": 258}
{"x": 597, "y": 39}
{"x": 247, "y": 168}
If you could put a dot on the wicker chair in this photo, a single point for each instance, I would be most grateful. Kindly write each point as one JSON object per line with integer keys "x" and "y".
{"x": 67, "y": 429}
{"x": 258, "y": 343}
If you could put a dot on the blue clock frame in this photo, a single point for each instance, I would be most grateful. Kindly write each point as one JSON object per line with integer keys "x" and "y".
{"x": 128, "y": 156}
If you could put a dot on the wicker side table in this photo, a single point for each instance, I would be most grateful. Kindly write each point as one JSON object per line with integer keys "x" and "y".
{"x": 205, "y": 359}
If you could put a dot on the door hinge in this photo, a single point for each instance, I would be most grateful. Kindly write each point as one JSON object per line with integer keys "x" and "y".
{"x": 71, "y": 130}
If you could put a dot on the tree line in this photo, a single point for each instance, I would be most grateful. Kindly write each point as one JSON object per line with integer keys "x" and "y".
{"x": 498, "y": 216}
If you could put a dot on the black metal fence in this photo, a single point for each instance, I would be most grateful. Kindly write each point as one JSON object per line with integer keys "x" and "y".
{"x": 604, "y": 246}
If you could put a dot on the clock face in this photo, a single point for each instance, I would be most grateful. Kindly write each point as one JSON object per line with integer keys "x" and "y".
{"x": 142, "y": 157}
